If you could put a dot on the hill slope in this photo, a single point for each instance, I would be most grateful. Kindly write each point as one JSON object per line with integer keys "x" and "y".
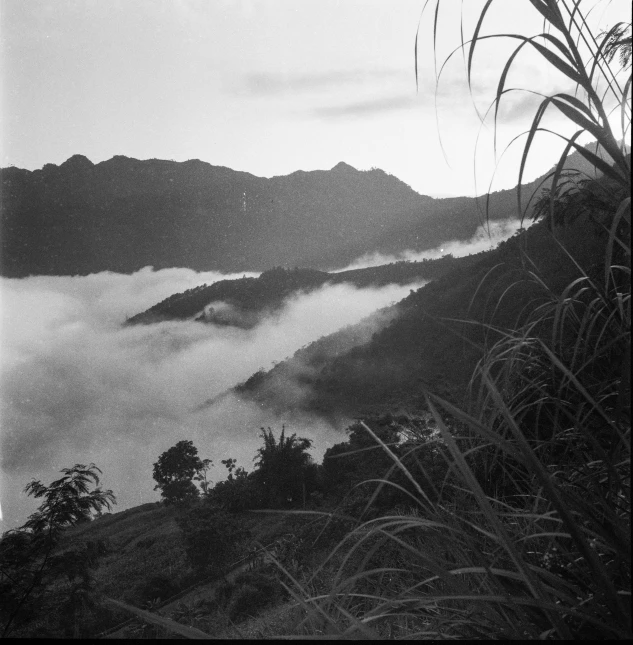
{"x": 423, "y": 343}
{"x": 243, "y": 302}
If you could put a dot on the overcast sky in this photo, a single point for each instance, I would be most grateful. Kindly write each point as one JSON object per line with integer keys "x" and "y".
{"x": 266, "y": 86}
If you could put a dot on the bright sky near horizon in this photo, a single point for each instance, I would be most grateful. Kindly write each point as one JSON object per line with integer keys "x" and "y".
{"x": 266, "y": 86}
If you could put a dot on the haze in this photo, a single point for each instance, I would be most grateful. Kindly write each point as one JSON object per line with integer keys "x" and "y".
{"x": 78, "y": 387}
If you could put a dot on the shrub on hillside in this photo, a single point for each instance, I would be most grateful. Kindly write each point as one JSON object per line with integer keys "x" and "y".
{"x": 159, "y": 586}
{"x": 245, "y": 602}
{"x": 248, "y": 595}
{"x": 266, "y": 583}
{"x": 212, "y": 536}
{"x": 238, "y": 492}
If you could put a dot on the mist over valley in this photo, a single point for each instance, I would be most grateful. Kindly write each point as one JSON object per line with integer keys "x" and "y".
{"x": 81, "y": 377}
{"x": 77, "y": 382}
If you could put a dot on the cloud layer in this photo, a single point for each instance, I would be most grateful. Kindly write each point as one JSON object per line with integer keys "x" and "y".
{"x": 368, "y": 107}
{"x": 77, "y": 387}
{"x": 485, "y": 238}
{"x": 274, "y": 83}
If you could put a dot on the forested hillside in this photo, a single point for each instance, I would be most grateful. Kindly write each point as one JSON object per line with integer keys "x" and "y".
{"x": 245, "y": 301}
{"x": 430, "y": 341}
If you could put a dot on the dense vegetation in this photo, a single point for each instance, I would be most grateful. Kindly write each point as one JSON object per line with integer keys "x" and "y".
{"x": 34, "y": 558}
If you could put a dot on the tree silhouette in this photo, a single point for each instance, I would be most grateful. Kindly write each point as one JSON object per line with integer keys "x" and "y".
{"x": 175, "y": 470}
{"x": 201, "y": 476}
{"x": 27, "y": 561}
{"x": 238, "y": 492}
{"x": 281, "y": 467}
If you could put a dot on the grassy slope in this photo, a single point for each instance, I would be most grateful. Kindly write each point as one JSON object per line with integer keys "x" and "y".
{"x": 145, "y": 541}
{"x": 140, "y": 541}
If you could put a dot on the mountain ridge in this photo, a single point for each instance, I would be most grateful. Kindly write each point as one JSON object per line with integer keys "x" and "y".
{"x": 243, "y": 302}
{"x": 123, "y": 213}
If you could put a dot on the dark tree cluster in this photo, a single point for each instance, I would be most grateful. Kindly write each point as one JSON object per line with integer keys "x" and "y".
{"x": 175, "y": 471}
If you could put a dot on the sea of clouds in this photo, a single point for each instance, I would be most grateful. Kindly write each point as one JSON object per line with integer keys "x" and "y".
{"x": 76, "y": 386}
{"x": 79, "y": 387}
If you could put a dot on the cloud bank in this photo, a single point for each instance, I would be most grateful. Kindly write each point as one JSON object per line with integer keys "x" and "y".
{"x": 78, "y": 387}
{"x": 485, "y": 238}
{"x": 266, "y": 83}
{"x": 368, "y": 107}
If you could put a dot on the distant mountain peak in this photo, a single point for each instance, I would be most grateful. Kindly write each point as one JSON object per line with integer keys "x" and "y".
{"x": 341, "y": 165}
{"x": 124, "y": 159}
{"x": 77, "y": 162}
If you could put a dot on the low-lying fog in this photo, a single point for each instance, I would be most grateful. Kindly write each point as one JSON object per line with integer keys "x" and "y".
{"x": 485, "y": 238}
{"x": 77, "y": 387}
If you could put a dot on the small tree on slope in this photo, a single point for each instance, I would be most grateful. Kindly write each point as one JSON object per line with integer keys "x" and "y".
{"x": 175, "y": 471}
{"x": 28, "y": 564}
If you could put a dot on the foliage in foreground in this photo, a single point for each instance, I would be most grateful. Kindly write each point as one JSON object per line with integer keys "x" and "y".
{"x": 529, "y": 536}
{"x": 516, "y": 521}
{"x": 31, "y": 562}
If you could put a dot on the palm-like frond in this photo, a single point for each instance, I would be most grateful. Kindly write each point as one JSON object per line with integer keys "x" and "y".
{"x": 281, "y": 465}
{"x": 567, "y": 44}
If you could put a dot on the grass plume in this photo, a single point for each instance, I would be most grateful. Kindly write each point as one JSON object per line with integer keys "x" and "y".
{"x": 529, "y": 535}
